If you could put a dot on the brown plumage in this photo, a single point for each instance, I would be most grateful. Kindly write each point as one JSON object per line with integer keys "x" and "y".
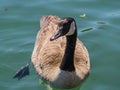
{"x": 47, "y": 56}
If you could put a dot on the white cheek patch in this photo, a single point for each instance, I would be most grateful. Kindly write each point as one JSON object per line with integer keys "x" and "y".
{"x": 72, "y": 29}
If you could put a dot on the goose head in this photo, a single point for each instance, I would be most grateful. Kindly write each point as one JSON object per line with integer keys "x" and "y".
{"x": 66, "y": 27}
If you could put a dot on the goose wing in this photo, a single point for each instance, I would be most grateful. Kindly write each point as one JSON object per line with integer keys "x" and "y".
{"x": 47, "y": 55}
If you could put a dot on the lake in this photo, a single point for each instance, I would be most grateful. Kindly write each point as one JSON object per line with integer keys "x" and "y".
{"x": 98, "y": 23}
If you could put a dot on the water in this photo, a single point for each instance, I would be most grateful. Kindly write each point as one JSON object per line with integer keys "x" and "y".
{"x": 98, "y": 28}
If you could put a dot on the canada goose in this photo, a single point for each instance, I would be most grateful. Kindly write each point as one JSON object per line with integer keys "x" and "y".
{"x": 59, "y": 57}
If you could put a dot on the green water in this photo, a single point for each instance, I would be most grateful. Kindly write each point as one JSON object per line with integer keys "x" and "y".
{"x": 98, "y": 24}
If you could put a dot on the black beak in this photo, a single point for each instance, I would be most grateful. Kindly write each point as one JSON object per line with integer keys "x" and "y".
{"x": 56, "y": 35}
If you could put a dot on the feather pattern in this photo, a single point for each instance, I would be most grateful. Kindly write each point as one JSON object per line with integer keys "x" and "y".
{"x": 47, "y": 56}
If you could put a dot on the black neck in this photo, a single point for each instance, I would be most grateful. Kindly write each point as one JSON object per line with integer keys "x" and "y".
{"x": 68, "y": 58}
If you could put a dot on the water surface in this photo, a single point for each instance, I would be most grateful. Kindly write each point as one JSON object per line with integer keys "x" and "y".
{"x": 99, "y": 29}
